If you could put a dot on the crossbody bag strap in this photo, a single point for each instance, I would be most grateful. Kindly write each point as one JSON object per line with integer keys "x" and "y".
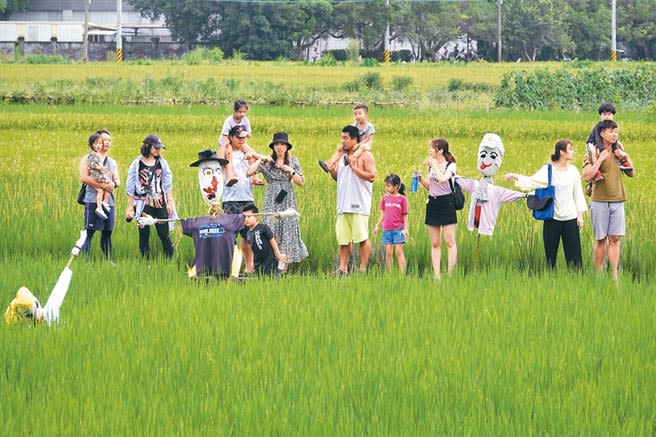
{"x": 549, "y": 173}
{"x": 450, "y": 179}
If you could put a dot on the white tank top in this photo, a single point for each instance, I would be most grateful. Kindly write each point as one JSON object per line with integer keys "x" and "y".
{"x": 353, "y": 193}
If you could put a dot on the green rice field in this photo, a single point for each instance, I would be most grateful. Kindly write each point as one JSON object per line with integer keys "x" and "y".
{"x": 501, "y": 347}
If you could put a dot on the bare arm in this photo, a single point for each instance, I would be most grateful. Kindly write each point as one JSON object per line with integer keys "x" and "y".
{"x": 86, "y": 178}
{"x": 406, "y": 226}
{"x": 625, "y": 160}
{"x": 364, "y": 167}
{"x": 590, "y": 169}
{"x": 276, "y": 251}
{"x": 381, "y": 217}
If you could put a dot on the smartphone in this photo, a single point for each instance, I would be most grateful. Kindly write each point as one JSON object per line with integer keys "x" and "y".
{"x": 281, "y": 196}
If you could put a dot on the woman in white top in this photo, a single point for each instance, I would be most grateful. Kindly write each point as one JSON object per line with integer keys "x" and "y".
{"x": 569, "y": 204}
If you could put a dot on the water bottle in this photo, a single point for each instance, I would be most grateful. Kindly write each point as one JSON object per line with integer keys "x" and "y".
{"x": 415, "y": 182}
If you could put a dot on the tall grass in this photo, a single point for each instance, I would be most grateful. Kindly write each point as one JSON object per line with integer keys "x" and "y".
{"x": 478, "y": 354}
{"x": 501, "y": 347}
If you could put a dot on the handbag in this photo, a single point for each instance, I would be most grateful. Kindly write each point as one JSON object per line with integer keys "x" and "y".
{"x": 458, "y": 195}
{"x": 82, "y": 193}
{"x": 542, "y": 202}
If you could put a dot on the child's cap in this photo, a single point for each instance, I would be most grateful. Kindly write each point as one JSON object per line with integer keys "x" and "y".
{"x": 606, "y": 107}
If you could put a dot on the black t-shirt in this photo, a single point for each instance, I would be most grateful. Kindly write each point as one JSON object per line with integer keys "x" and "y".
{"x": 259, "y": 238}
{"x": 214, "y": 239}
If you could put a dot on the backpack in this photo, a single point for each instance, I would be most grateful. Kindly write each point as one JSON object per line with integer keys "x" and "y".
{"x": 458, "y": 195}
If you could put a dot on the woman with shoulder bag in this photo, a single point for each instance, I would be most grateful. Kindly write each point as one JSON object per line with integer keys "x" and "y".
{"x": 569, "y": 204}
{"x": 441, "y": 218}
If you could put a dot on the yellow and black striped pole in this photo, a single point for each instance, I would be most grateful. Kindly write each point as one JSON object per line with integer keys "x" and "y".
{"x": 613, "y": 55}
{"x": 119, "y": 55}
{"x": 387, "y": 57}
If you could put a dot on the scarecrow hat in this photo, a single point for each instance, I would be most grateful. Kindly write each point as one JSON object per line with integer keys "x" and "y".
{"x": 208, "y": 155}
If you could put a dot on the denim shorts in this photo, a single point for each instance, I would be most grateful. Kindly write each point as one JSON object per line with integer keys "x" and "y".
{"x": 393, "y": 237}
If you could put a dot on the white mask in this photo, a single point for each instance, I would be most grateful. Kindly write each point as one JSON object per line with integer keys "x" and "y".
{"x": 210, "y": 179}
{"x": 490, "y": 155}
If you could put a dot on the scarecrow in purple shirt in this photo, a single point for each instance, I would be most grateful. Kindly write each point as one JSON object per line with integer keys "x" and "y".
{"x": 487, "y": 198}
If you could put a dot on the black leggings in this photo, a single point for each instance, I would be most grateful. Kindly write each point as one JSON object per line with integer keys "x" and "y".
{"x": 552, "y": 232}
{"x": 162, "y": 233}
{"x": 105, "y": 242}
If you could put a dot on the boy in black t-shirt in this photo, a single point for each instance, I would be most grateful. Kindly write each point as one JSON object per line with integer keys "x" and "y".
{"x": 259, "y": 236}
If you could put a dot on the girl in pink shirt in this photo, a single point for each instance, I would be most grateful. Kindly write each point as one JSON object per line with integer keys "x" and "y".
{"x": 394, "y": 218}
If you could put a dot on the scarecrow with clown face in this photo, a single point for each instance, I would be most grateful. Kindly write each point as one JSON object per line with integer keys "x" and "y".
{"x": 487, "y": 198}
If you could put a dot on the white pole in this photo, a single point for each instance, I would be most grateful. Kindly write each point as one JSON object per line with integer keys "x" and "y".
{"x": 499, "y": 46}
{"x": 613, "y": 30}
{"x": 119, "y": 31}
{"x": 85, "y": 44}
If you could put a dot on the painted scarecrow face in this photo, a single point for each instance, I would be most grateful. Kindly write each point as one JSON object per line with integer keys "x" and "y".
{"x": 210, "y": 178}
{"x": 490, "y": 155}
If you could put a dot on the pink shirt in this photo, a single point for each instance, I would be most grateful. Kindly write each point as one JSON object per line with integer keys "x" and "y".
{"x": 394, "y": 208}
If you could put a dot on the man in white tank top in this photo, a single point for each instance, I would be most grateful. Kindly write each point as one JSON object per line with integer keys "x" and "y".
{"x": 354, "y": 178}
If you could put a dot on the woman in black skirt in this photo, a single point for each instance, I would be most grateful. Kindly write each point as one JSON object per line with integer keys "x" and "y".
{"x": 440, "y": 208}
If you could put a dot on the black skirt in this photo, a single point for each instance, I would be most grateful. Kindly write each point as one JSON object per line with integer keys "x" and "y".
{"x": 440, "y": 211}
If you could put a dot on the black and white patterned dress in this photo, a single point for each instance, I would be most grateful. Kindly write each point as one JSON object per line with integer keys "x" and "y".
{"x": 287, "y": 232}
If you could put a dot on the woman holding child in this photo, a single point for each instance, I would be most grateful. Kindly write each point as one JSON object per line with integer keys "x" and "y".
{"x": 569, "y": 204}
{"x": 99, "y": 217}
{"x": 281, "y": 171}
{"x": 441, "y": 216}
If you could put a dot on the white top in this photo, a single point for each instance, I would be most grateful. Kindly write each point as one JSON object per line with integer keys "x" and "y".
{"x": 241, "y": 191}
{"x": 353, "y": 192}
{"x": 569, "y": 200}
{"x": 230, "y": 122}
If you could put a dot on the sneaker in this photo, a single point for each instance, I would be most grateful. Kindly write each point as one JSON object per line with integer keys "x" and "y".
{"x": 100, "y": 213}
{"x": 324, "y": 166}
{"x": 105, "y": 207}
{"x": 256, "y": 181}
{"x": 231, "y": 182}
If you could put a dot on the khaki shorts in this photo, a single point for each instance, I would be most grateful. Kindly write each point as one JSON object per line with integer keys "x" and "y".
{"x": 351, "y": 227}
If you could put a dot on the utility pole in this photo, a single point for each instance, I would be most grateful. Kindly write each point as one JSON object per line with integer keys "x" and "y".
{"x": 613, "y": 30}
{"x": 85, "y": 43}
{"x": 119, "y": 32}
{"x": 499, "y": 43}
{"x": 387, "y": 56}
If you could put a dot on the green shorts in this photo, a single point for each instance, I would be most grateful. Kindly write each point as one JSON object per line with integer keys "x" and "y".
{"x": 351, "y": 228}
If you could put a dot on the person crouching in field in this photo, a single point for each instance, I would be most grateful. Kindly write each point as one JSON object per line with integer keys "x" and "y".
{"x": 394, "y": 218}
{"x": 259, "y": 236}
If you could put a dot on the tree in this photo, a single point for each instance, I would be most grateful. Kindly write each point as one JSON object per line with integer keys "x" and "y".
{"x": 588, "y": 26}
{"x": 7, "y": 7}
{"x": 428, "y": 26}
{"x": 531, "y": 25}
{"x": 637, "y": 27}
{"x": 257, "y": 30}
